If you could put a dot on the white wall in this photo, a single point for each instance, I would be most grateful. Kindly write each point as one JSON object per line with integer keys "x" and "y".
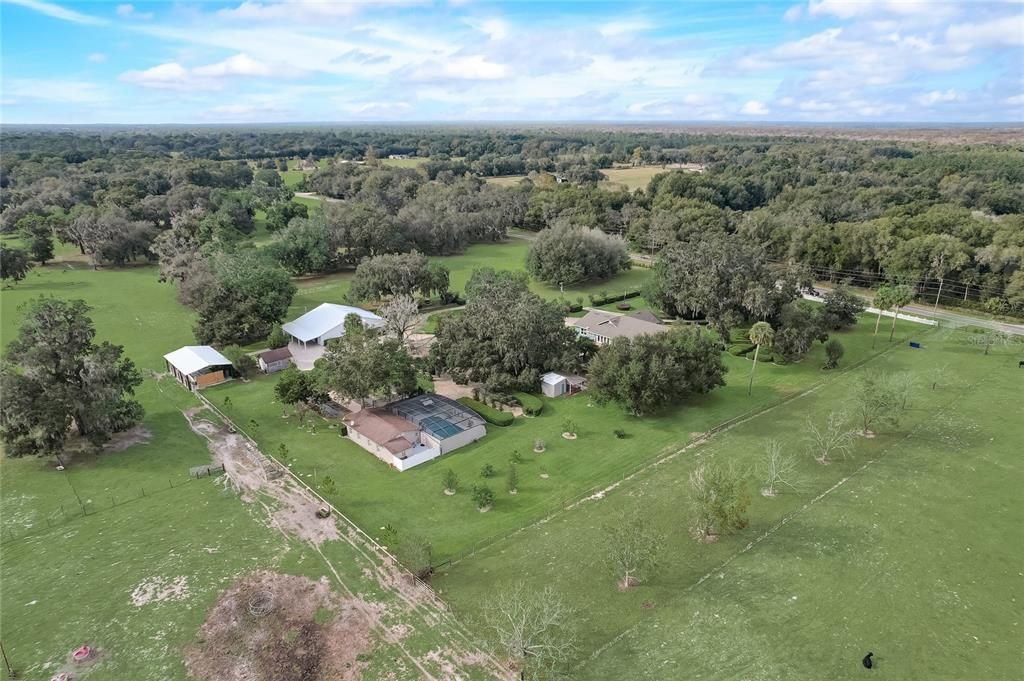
{"x": 416, "y": 459}
{"x": 462, "y": 439}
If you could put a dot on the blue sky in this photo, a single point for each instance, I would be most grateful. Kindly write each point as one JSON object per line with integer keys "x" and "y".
{"x": 455, "y": 60}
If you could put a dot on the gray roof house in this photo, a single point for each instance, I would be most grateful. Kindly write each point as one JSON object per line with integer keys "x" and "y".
{"x": 604, "y": 327}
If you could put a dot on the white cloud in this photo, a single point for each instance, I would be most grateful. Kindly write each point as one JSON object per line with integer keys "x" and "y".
{"x": 849, "y": 9}
{"x": 174, "y": 76}
{"x": 755, "y": 108}
{"x": 1015, "y": 100}
{"x": 54, "y": 90}
{"x": 794, "y": 13}
{"x": 129, "y": 11}
{"x": 938, "y": 96}
{"x": 97, "y": 58}
{"x": 495, "y": 29}
{"x": 1001, "y": 32}
{"x": 59, "y": 12}
{"x": 475, "y": 67}
{"x": 306, "y": 10}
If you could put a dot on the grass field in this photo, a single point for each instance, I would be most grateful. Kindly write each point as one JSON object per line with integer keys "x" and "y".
{"x": 68, "y": 578}
{"x": 629, "y": 179}
{"x": 910, "y": 548}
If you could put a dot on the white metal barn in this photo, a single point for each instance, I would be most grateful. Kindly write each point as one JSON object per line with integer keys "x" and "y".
{"x": 326, "y": 322}
{"x": 197, "y": 366}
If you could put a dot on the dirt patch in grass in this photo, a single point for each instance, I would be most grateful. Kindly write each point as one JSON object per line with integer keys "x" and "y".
{"x": 157, "y": 589}
{"x": 291, "y": 507}
{"x": 133, "y": 436}
{"x": 449, "y": 388}
{"x": 272, "y": 627}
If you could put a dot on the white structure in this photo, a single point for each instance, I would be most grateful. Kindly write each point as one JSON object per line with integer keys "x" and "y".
{"x": 603, "y": 327}
{"x": 326, "y": 322}
{"x": 197, "y": 366}
{"x": 310, "y": 331}
{"x": 277, "y": 359}
{"x": 416, "y": 430}
{"x": 553, "y": 384}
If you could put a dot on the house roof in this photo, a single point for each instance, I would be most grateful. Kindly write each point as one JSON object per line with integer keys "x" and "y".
{"x": 193, "y": 358}
{"x": 553, "y": 378}
{"x": 382, "y": 427}
{"x": 612, "y": 325}
{"x": 276, "y": 355}
{"x": 327, "y": 316}
{"x": 645, "y": 315}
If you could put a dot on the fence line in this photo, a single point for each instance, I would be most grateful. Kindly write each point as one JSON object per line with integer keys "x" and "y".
{"x": 335, "y": 511}
{"x": 80, "y": 509}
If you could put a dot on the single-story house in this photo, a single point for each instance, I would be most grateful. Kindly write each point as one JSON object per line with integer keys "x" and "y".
{"x": 407, "y": 433}
{"x": 645, "y": 315}
{"x": 603, "y": 327}
{"x": 199, "y": 366}
{"x": 277, "y": 359}
{"x": 398, "y": 157}
{"x": 554, "y": 384}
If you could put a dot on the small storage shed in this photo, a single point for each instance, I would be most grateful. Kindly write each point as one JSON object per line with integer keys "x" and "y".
{"x": 274, "y": 360}
{"x": 199, "y": 366}
{"x": 554, "y": 384}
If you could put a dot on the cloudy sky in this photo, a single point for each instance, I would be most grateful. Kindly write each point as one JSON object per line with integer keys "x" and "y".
{"x": 450, "y": 60}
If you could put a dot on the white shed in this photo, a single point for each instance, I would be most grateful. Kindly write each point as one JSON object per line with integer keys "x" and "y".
{"x": 197, "y": 366}
{"x": 554, "y": 384}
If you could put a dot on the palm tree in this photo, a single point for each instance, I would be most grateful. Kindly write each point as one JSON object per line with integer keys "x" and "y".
{"x": 901, "y": 295}
{"x": 883, "y": 301}
{"x": 760, "y": 334}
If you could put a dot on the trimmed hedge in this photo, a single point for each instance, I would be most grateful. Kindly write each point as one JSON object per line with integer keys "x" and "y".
{"x": 597, "y": 301}
{"x": 489, "y": 414}
{"x": 741, "y": 350}
{"x": 531, "y": 404}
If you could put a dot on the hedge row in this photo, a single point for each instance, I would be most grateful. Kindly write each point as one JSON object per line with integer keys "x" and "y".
{"x": 531, "y": 404}
{"x": 597, "y": 302}
{"x": 740, "y": 349}
{"x": 489, "y": 414}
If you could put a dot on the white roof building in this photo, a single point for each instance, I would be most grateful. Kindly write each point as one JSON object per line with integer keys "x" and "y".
{"x": 197, "y": 366}
{"x": 327, "y": 321}
{"x": 194, "y": 358}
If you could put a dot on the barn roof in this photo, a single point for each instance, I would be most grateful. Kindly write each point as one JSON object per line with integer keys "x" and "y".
{"x": 275, "y": 355}
{"x": 327, "y": 316}
{"x": 193, "y": 358}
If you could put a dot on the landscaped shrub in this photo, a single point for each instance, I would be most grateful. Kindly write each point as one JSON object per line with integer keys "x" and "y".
{"x": 741, "y": 350}
{"x": 531, "y": 404}
{"x": 603, "y": 298}
{"x": 487, "y": 471}
{"x": 492, "y": 416}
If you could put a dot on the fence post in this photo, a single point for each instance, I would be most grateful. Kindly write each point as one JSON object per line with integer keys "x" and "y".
{"x": 143, "y": 491}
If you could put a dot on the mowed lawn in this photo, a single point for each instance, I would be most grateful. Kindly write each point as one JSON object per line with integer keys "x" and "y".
{"x": 910, "y": 548}
{"x": 67, "y": 579}
{"x": 629, "y": 179}
{"x": 413, "y": 501}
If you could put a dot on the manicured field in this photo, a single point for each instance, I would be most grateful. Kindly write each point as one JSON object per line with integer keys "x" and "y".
{"x": 910, "y": 548}
{"x": 414, "y": 162}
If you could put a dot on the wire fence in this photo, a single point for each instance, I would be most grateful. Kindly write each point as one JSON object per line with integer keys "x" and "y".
{"x": 424, "y": 586}
{"x": 84, "y": 507}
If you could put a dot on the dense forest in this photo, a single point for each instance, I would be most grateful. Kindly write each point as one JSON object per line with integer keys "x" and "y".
{"x": 946, "y": 219}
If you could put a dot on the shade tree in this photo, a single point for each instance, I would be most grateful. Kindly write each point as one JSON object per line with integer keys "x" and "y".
{"x": 632, "y": 546}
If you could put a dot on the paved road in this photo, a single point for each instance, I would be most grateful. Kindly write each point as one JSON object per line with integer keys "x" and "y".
{"x": 953, "y": 318}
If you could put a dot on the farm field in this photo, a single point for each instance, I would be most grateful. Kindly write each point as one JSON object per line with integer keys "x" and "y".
{"x": 879, "y": 552}
{"x": 375, "y": 496}
{"x": 136, "y": 576}
{"x": 630, "y": 179}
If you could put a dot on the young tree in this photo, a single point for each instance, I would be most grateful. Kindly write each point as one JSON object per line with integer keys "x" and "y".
{"x": 14, "y": 264}
{"x": 901, "y": 296}
{"x": 416, "y": 554}
{"x": 53, "y": 377}
{"x": 277, "y": 338}
{"x": 651, "y": 372}
{"x": 512, "y": 482}
{"x": 777, "y": 468}
{"x": 718, "y": 500}
{"x": 362, "y": 364}
{"x": 451, "y": 482}
{"x": 487, "y": 471}
{"x": 875, "y": 401}
{"x": 401, "y": 315}
{"x": 533, "y": 628}
{"x": 328, "y": 487}
{"x": 833, "y": 437}
{"x": 761, "y": 333}
{"x": 884, "y": 299}
{"x": 483, "y": 497}
{"x": 833, "y": 353}
{"x": 987, "y": 338}
{"x": 632, "y": 546}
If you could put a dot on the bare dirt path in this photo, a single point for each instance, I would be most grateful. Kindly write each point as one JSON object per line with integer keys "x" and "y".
{"x": 291, "y": 508}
